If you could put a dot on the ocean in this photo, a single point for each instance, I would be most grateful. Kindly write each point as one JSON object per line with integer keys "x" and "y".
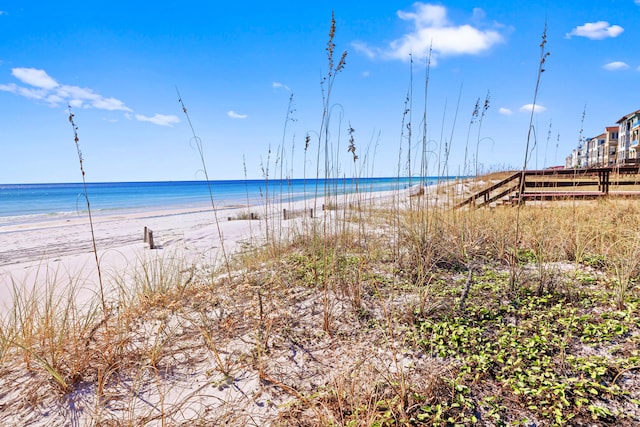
{"x": 32, "y": 202}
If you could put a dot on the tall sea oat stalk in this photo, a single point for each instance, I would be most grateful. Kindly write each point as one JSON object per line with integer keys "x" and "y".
{"x": 409, "y": 123}
{"x": 265, "y": 175}
{"x": 441, "y": 143}
{"x": 424, "y": 168}
{"x": 352, "y": 149}
{"x": 447, "y": 148}
{"x": 198, "y": 143}
{"x": 327, "y": 86}
{"x": 289, "y": 117}
{"x": 543, "y": 58}
{"x": 424, "y": 161}
{"x": 396, "y": 205}
{"x": 323, "y": 140}
{"x": 307, "y": 140}
{"x": 246, "y": 188}
{"x": 474, "y": 117}
{"x": 76, "y": 139}
{"x": 581, "y": 138}
{"x": 485, "y": 107}
{"x": 546, "y": 146}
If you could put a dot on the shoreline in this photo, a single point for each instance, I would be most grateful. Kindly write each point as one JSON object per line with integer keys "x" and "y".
{"x": 33, "y": 202}
{"x": 33, "y": 251}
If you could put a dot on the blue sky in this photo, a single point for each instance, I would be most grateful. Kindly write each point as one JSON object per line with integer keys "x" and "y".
{"x": 237, "y": 64}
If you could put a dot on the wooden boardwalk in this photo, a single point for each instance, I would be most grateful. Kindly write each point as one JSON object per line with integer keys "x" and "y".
{"x": 560, "y": 184}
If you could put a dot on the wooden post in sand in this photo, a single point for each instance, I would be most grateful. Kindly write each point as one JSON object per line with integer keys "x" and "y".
{"x": 284, "y": 214}
{"x": 148, "y": 237}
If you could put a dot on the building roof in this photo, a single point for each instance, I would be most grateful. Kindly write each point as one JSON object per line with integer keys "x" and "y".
{"x": 628, "y": 116}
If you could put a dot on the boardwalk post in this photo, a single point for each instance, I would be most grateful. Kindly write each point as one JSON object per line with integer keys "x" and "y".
{"x": 284, "y": 214}
{"x": 146, "y": 234}
{"x": 521, "y": 184}
{"x": 603, "y": 184}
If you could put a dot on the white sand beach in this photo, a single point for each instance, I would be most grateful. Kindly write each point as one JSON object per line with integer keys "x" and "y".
{"x": 64, "y": 248}
{"x": 35, "y": 253}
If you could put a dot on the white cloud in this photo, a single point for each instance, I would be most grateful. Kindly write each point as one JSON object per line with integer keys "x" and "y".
{"x": 34, "y": 77}
{"x": 11, "y": 87}
{"x": 426, "y": 15}
{"x": 596, "y": 30}
{"x": 479, "y": 14}
{"x": 433, "y": 30}
{"x": 235, "y": 115}
{"x": 364, "y": 49}
{"x": 278, "y": 85}
{"x": 45, "y": 88}
{"x": 616, "y": 66}
{"x": 26, "y": 92}
{"x": 637, "y": 2}
{"x": 527, "y": 108}
{"x": 159, "y": 119}
{"x": 40, "y": 86}
{"x": 86, "y": 98}
{"x": 505, "y": 111}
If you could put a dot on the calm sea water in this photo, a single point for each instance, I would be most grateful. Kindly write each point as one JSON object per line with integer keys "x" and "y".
{"x": 31, "y": 202}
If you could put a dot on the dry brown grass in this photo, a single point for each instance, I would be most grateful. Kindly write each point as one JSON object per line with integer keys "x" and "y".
{"x": 188, "y": 345}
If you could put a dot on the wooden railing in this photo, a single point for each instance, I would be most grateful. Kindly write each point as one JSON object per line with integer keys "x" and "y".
{"x": 555, "y": 184}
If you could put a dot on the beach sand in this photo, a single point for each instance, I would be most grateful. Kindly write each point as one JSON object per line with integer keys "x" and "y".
{"x": 37, "y": 255}
{"x": 34, "y": 254}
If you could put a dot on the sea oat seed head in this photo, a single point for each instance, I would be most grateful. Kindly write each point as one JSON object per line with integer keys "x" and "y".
{"x": 342, "y": 61}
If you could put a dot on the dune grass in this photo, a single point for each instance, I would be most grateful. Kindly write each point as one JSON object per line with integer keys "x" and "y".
{"x": 403, "y": 312}
{"x": 424, "y": 328}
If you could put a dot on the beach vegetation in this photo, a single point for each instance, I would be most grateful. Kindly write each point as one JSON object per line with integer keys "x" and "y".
{"x": 426, "y": 328}
{"x": 399, "y": 311}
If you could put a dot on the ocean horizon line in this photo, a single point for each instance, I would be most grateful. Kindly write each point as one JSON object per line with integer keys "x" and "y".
{"x": 402, "y": 178}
